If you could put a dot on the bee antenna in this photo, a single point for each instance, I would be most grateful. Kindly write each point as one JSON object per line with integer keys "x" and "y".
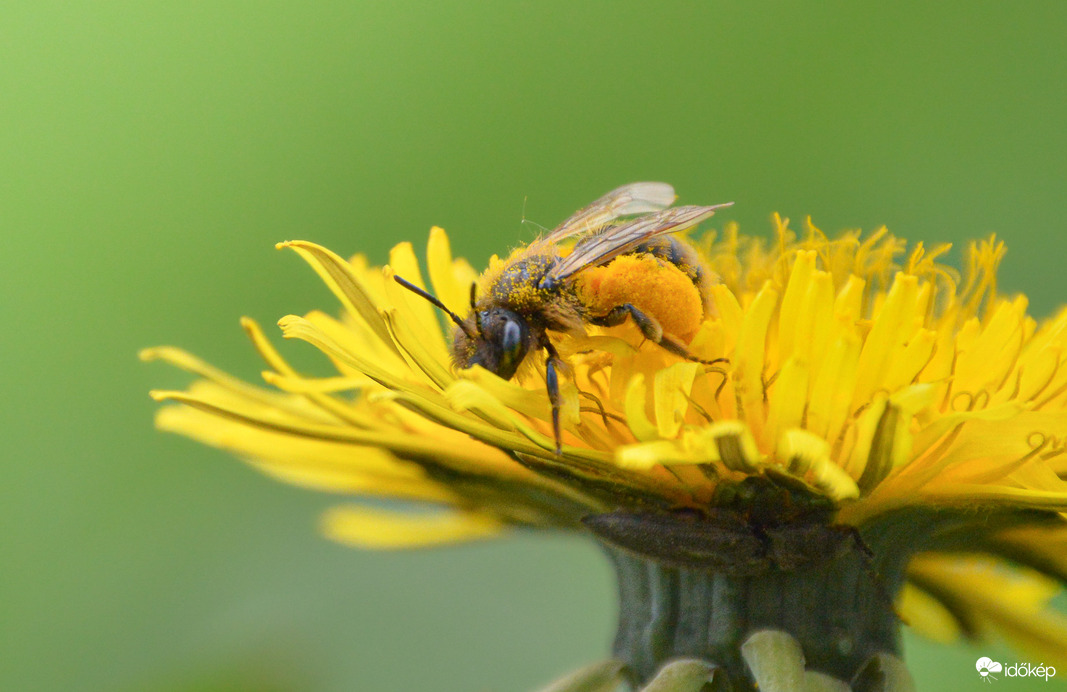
{"x": 435, "y": 302}
{"x": 534, "y": 223}
{"x": 474, "y": 308}
{"x": 526, "y": 220}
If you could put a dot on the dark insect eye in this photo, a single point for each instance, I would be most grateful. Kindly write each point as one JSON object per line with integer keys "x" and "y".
{"x": 512, "y": 340}
{"x": 512, "y": 346}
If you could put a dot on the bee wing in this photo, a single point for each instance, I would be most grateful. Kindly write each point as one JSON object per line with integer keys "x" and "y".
{"x": 623, "y": 238}
{"x": 635, "y": 198}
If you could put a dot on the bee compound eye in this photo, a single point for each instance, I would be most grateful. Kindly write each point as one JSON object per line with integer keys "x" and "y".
{"x": 512, "y": 338}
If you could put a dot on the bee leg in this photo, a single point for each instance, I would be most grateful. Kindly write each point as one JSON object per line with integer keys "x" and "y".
{"x": 552, "y": 363}
{"x": 649, "y": 326}
{"x": 678, "y": 348}
{"x": 651, "y": 330}
{"x": 599, "y": 405}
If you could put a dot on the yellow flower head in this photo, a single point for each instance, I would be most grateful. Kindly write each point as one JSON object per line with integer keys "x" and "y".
{"x": 856, "y": 371}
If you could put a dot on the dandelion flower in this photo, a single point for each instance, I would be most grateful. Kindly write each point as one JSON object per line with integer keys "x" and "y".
{"x": 883, "y": 444}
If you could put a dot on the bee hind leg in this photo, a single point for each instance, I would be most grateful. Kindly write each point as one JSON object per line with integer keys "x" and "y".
{"x": 649, "y": 327}
{"x": 678, "y": 348}
{"x": 651, "y": 330}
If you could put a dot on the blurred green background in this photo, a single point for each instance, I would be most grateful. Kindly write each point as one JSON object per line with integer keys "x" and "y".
{"x": 151, "y": 154}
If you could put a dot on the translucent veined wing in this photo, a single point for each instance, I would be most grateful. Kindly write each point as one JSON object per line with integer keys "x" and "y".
{"x": 635, "y": 198}
{"x": 602, "y": 248}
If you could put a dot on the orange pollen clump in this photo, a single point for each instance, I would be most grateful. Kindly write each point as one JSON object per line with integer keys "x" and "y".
{"x": 658, "y": 289}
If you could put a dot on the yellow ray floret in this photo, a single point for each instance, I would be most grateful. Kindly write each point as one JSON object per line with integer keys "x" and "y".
{"x": 365, "y": 527}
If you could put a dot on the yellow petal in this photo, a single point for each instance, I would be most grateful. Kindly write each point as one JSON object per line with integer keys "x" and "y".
{"x": 296, "y": 384}
{"x": 278, "y": 446}
{"x": 806, "y": 453}
{"x": 446, "y": 282}
{"x": 849, "y": 302}
{"x": 672, "y": 388}
{"x": 365, "y": 527}
{"x": 788, "y": 399}
{"x": 330, "y": 480}
{"x": 342, "y": 410}
{"x": 646, "y": 455}
{"x": 792, "y": 299}
{"x": 430, "y": 361}
{"x": 399, "y": 442}
{"x": 339, "y": 276}
{"x": 884, "y": 435}
{"x": 1013, "y": 601}
{"x": 190, "y": 363}
{"x": 906, "y": 366}
{"x": 749, "y": 357}
{"x": 890, "y": 330}
{"x": 730, "y": 313}
{"x": 831, "y": 395}
{"x": 924, "y": 613}
{"x": 991, "y": 353}
{"x": 466, "y": 395}
{"x": 294, "y": 327}
{"x": 815, "y": 323}
{"x": 636, "y": 417}
{"x": 530, "y": 402}
{"x": 422, "y": 316}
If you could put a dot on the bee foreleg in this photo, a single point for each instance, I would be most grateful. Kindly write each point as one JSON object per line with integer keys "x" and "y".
{"x": 552, "y": 363}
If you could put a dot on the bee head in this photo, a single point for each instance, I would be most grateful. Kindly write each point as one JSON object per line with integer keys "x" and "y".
{"x": 496, "y": 339}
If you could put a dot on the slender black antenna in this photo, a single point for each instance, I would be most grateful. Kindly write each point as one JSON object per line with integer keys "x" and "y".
{"x": 474, "y": 307}
{"x": 437, "y": 303}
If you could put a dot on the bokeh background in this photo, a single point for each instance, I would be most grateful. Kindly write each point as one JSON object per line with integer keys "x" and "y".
{"x": 151, "y": 154}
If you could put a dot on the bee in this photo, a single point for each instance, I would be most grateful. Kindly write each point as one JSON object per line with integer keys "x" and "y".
{"x": 623, "y": 265}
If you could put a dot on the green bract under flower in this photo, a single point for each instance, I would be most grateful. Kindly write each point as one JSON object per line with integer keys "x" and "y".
{"x": 869, "y": 374}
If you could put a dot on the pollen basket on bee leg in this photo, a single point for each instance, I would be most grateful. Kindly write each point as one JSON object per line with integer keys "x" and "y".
{"x": 657, "y": 288}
